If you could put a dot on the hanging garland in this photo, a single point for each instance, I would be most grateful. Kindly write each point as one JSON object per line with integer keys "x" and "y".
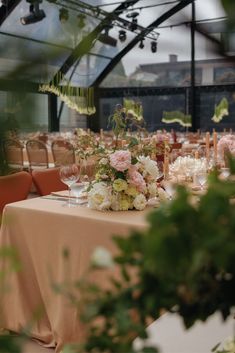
{"x": 221, "y": 110}
{"x": 177, "y": 117}
{"x": 80, "y": 99}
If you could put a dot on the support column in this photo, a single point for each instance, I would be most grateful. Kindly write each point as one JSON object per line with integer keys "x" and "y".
{"x": 193, "y": 94}
{"x": 53, "y": 120}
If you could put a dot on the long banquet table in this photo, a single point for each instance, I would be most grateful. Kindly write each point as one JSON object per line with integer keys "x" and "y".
{"x": 40, "y": 229}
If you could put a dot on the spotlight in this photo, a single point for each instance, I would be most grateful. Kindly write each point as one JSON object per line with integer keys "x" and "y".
{"x": 122, "y": 35}
{"x": 141, "y": 45}
{"x": 63, "y": 15}
{"x": 3, "y": 3}
{"x": 134, "y": 24}
{"x": 35, "y": 14}
{"x": 106, "y": 38}
{"x": 153, "y": 46}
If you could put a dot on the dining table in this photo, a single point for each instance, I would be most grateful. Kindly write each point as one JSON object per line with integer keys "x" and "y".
{"x": 54, "y": 245}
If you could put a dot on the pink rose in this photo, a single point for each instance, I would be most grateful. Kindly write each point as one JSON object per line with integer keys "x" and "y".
{"x": 120, "y": 160}
{"x": 136, "y": 179}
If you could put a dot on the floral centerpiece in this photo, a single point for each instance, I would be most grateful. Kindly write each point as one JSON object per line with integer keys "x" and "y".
{"x": 123, "y": 182}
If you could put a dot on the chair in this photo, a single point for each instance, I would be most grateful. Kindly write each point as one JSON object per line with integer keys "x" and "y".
{"x": 47, "y": 181}
{"x": 14, "y": 187}
{"x": 37, "y": 154}
{"x": 13, "y": 151}
{"x": 63, "y": 152}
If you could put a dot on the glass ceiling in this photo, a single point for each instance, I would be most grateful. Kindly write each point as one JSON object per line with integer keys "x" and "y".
{"x": 50, "y": 42}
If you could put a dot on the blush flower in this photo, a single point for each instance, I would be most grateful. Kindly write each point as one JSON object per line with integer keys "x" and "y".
{"x": 136, "y": 179}
{"x": 120, "y": 160}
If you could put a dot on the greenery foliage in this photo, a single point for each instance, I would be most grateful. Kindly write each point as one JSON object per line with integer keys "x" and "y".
{"x": 177, "y": 117}
{"x": 183, "y": 263}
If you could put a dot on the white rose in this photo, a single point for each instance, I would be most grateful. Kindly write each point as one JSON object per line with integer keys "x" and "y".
{"x": 103, "y": 161}
{"x": 140, "y": 202}
{"x": 99, "y": 197}
{"x": 101, "y": 257}
{"x": 149, "y": 167}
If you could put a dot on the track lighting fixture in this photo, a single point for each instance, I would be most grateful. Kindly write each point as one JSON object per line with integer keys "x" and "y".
{"x": 134, "y": 23}
{"x": 141, "y": 45}
{"x": 35, "y": 14}
{"x": 153, "y": 46}
{"x": 106, "y": 38}
{"x": 122, "y": 35}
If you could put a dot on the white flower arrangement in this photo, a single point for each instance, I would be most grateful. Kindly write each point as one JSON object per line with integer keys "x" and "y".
{"x": 123, "y": 183}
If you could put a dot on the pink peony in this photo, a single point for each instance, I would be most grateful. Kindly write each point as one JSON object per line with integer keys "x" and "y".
{"x": 120, "y": 160}
{"x": 136, "y": 179}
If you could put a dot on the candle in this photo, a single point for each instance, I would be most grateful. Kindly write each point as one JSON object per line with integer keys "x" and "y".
{"x": 215, "y": 145}
{"x": 207, "y": 145}
{"x": 101, "y": 134}
{"x": 166, "y": 167}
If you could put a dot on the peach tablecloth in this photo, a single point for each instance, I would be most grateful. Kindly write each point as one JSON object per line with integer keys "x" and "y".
{"x": 40, "y": 230}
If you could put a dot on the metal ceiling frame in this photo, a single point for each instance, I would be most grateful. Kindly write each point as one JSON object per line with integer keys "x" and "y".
{"x": 6, "y": 10}
{"x": 141, "y": 35}
{"x": 88, "y": 41}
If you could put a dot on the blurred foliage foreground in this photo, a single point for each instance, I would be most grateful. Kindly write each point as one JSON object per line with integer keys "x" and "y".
{"x": 183, "y": 263}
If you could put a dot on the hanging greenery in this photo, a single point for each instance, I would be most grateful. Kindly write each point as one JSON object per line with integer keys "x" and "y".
{"x": 221, "y": 110}
{"x": 80, "y": 99}
{"x": 135, "y": 109}
{"x": 177, "y": 117}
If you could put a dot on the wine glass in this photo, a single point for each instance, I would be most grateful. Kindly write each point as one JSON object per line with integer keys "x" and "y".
{"x": 202, "y": 178}
{"x": 69, "y": 174}
{"x": 169, "y": 188}
{"x": 224, "y": 173}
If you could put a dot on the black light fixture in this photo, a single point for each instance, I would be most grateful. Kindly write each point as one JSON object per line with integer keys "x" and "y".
{"x": 141, "y": 45}
{"x": 105, "y": 38}
{"x": 122, "y": 35}
{"x": 134, "y": 23}
{"x": 154, "y": 46}
{"x": 35, "y": 14}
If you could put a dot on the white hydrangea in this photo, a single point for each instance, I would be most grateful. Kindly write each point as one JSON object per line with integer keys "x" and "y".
{"x": 140, "y": 202}
{"x": 149, "y": 167}
{"x": 152, "y": 190}
{"x": 101, "y": 257}
{"x": 99, "y": 197}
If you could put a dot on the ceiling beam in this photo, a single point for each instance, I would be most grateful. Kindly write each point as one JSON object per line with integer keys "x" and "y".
{"x": 141, "y": 35}
{"x": 5, "y": 10}
{"x": 88, "y": 41}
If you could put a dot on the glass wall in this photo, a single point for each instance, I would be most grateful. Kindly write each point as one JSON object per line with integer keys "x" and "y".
{"x": 27, "y": 111}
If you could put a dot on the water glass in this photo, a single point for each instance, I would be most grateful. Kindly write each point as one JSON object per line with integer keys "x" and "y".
{"x": 69, "y": 174}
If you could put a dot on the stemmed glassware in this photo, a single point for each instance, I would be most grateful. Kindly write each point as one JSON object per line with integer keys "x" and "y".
{"x": 224, "y": 172}
{"x": 83, "y": 182}
{"x": 170, "y": 189}
{"x": 202, "y": 179}
{"x": 69, "y": 174}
